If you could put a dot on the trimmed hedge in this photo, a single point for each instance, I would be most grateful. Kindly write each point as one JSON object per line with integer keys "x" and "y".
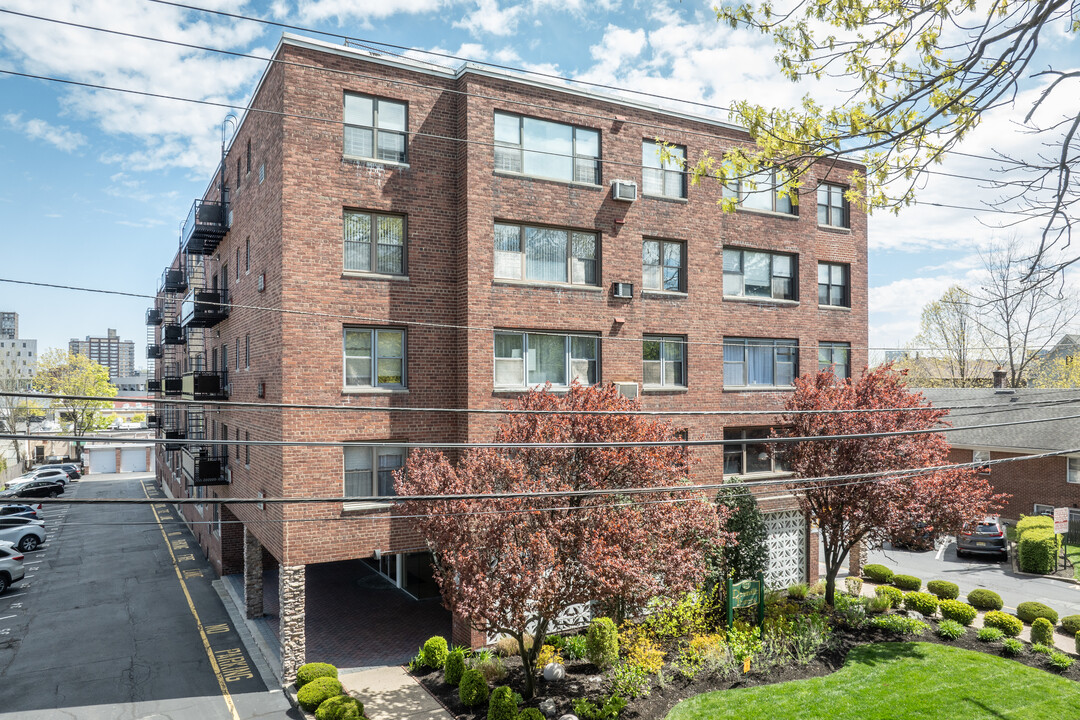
{"x": 1006, "y": 623}
{"x": 340, "y": 707}
{"x": 1038, "y": 550}
{"x": 1032, "y": 522}
{"x": 531, "y": 714}
{"x": 909, "y": 583}
{"x": 1070, "y": 624}
{"x": 602, "y": 643}
{"x": 1077, "y": 639}
{"x": 895, "y": 595}
{"x": 473, "y": 689}
{"x": 877, "y": 573}
{"x": 983, "y": 599}
{"x": 1042, "y": 631}
{"x": 922, "y": 602}
{"x": 310, "y": 671}
{"x": 943, "y": 589}
{"x": 502, "y": 705}
{"x": 318, "y": 691}
{"x": 961, "y": 612}
{"x": 434, "y": 652}
{"x": 1030, "y": 611}
{"x": 454, "y": 667}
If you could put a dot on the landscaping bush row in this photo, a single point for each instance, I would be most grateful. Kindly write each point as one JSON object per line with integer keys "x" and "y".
{"x": 320, "y": 691}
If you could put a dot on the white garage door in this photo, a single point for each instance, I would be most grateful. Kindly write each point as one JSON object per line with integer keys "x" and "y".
{"x": 133, "y": 460}
{"x": 787, "y": 548}
{"x": 103, "y": 461}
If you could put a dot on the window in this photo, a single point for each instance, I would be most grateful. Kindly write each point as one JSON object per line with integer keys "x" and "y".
{"x": 835, "y": 356}
{"x": 527, "y": 359}
{"x": 759, "y": 274}
{"x": 665, "y": 361}
{"x": 223, "y": 450}
{"x": 375, "y": 129}
{"x": 369, "y": 471}
{"x": 238, "y": 353}
{"x": 981, "y": 456}
{"x": 247, "y": 449}
{"x": 247, "y": 255}
{"x": 247, "y": 352}
{"x": 744, "y": 458}
{"x": 663, "y": 178}
{"x": 1043, "y": 510}
{"x": 545, "y": 254}
{"x": 546, "y": 149}
{"x": 1073, "y": 473}
{"x": 832, "y": 288}
{"x": 249, "y": 155}
{"x": 832, "y": 207}
{"x": 224, "y": 357}
{"x": 761, "y": 191}
{"x": 760, "y": 361}
{"x": 662, "y": 265}
{"x": 374, "y": 243}
{"x": 374, "y": 358}
{"x": 238, "y": 175}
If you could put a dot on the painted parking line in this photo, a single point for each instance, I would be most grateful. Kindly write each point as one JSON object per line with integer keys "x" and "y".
{"x": 8, "y": 617}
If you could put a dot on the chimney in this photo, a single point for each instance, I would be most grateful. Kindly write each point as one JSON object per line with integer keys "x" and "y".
{"x": 999, "y": 380}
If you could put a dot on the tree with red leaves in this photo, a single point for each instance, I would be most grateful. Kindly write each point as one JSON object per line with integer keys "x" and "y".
{"x": 872, "y": 509}
{"x": 512, "y": 566}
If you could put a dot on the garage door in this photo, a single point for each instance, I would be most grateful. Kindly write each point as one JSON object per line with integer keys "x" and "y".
{"x": 103, "y": 461}
{"x": 133, "y": 460}
{"x": 787, "y": 548}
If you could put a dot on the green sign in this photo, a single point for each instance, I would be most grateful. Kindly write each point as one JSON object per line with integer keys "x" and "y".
{"x": 746, "y": 593}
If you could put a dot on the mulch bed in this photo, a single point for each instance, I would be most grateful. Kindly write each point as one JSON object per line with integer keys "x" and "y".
{"x": 677, "y": 688}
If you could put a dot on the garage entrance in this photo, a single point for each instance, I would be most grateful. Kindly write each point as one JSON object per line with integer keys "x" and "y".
{"x": 133, "y": 459}
{"x": 102, "y": 460}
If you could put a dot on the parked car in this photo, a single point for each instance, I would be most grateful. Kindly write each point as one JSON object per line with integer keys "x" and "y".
{"x": 70, "y": 468}
{"x": 54, "y": 474}
{"x": 18, "y": 511}
{"x": 33, "y": 488}
{"x": 919, "y": 537}
{"x": 986, "y": 537}
{"x": 25, "y": 533}
{"x": 11, "y": 565}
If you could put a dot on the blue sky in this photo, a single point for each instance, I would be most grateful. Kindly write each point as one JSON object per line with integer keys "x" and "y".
{"x": 94, "y": 185}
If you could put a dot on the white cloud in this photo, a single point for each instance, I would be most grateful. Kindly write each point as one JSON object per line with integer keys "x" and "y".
{"x": 619, "y": 45}
{"x": 488, "y": 18}
{"x": 59, "y": 136}
{"x": 311, "y": 11}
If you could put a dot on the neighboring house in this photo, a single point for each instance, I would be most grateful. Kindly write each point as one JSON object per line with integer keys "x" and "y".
{"x": 450, "y": 239}
{"x": 1037, "y": 486}
{"x": 927, "y": 371}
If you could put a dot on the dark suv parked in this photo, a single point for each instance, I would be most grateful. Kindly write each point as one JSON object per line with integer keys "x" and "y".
{"x": 986, "y": 537}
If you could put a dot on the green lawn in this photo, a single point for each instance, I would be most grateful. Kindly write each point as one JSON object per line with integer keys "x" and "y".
{"x": 1074, "y": 557}
{"x": 912, "y": 681}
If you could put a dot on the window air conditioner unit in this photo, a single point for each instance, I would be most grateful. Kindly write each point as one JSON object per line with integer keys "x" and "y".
{"x": 625, "y": 190}
{"x": 622, "y": 290}
{"x": 627, "y": 389}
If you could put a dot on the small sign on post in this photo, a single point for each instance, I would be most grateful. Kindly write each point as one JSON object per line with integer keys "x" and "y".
{"x": 746, "y": 594}
{"x": 1061, "y": 520}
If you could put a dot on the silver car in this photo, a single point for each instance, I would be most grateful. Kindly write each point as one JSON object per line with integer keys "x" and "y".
{"x": 11, "y": 566}
{"x": 25, "y": 533}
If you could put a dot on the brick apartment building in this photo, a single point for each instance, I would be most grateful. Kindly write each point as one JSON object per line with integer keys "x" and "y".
{"x": 432, "y": 238}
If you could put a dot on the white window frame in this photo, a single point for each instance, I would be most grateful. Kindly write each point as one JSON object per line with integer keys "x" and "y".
{"x": 509, "y": 157}
{"x": 373, "y": 454}
{"x": 375, "y": 129}
{"x": 832, "y": 347}
{"x": 1072, "y": 474}
{"x": 981, "y": 456}
{"x": 671, "y": 172}
{"x": 576, "y": 266}
{"x": 374, "y": 358}
{"x": 827, "y": 208}
{"x": 846, "y": 269}
{"x": 764, "y": 181}
{"x": 735, "y": 280}
{"x": 746, "y": 343}
{"x": 1047, "y": 508}
{"x": 374, "y": 243}
{"x": 662, "y": 265}
{"x": 665, "y": 341}
{"x": 568, "y": 359}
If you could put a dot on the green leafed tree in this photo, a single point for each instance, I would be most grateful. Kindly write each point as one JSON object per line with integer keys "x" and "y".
{"x": 748, "y": 555}
{"x": 69, "y": 374}
{"x": 948, "y": 350}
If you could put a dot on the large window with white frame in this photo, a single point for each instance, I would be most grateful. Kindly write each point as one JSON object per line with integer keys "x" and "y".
{"x": 369, "y": 471}
{"x": 376, "y": 128}
{"x": 374, "y": 357}
{"x": 524, "y": 359}
{"x": 544, "y": 254}
{"x": 664, "y": 358}
{"x": 762, "y": 362}
{"x": 762, "y": 190}
{"x": 1073, "y": 470}
{"x": 663, "y": 265}
{"x": 663, "y": 176}
{"x": 835, "y": 356}
{"x": 374, "y": 243}
{"x": 546, "y": 149}
{"x": 757, "y": 274}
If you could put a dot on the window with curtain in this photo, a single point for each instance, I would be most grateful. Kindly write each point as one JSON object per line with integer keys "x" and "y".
{"x": 546, "y": 149}
{"x": 369, "y": 471}
{"x": 752, "y": 362}
{"x": 375, "y": 129}
{"x": 543, "y": 254}
{"x": 374, "y": 243}
{"x": 530, "y": 359}
{"x": 749, "y": 273}
{"x": 663, "y": 177}
{"x": 374, "y": 357}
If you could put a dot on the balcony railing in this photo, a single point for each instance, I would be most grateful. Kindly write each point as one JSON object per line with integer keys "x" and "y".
{"x": 206, "y": 224}
{"x": 173, "y": 334}
{"x": 173, "y": 281}
{"x": 204, "y": 308}
{"x": 153, "y": 386}
{"x": 204, "y": 465}
{"x": 152, "y": 421}
{"x": 154, "y": 316}
{"x": 206, "y": 385}
{"x": 172, "y": 386}
{"x": 154, "y": 352}
{"x": 174, "y": 435}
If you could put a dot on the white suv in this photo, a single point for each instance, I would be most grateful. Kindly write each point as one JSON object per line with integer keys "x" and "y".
{"x": 11, "y": 566}
{"x": 25, "y": 533}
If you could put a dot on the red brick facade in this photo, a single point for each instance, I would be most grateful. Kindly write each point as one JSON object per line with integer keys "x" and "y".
{"x": 1031, "y": 482}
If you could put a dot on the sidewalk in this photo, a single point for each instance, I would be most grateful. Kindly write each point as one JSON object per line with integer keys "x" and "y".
{"x": 390, "y": 693}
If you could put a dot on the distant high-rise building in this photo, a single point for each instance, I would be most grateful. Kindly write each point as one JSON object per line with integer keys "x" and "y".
{"x": 9, "y": 325}
{"x": 18, "y": 361}
{"x": 112, "y": 352}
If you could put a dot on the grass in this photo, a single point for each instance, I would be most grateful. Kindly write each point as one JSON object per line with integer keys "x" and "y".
{"x": 1074, "y": 558}
{"x": 914, "y": 681}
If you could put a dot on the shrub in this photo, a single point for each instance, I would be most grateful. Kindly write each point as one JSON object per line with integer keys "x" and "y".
{"x": 877, "y": 573}
{"x": 318, "y": 691}
{"x": 490, "y": 666}
{"x": 503, "y": 705}
{"x": 1040, "y": 649}
{"x": 454, "y": 667}
{"x": 574, "y": 647}
{"x": 989, "y": 634}
{"x": 879, "y": 604}
{"x": 435, "y": 652}
{"x": 909, "y": 583}
{"x": 548, "y": 654}
{"x": 602, "y": 643}
{"x": 798, "y": 591}
{"x": 473, "y": 689}
{"x": 818, "y": 588}
{"x": 630, "y": 680}
{"x": 1059, "y": 661}
{"x": 555, "y": 641}
{"x": 899, "y": 624}
{"x": 310, "y": 671}
{"x": 943, "y": 589}
{"x": 1077, "y": 641}
{"x": 340, "y": 707}
{"x": 809, "y": 635}
{"x": 1070, "y": 624}
{"x": 983, "y": 599}
{"x": 1042, "y": 631}
{"x": 1030, "y": 522}
{"x": 1038, "y": 550}
{"x": 531, "y": 714}
{"x": 896, "y": 597}
{"x": 853, "y": 585}
{"x": 1030, "y": 611}
{"x": 961, "y": 612}
{"x": 1011, "y": 647}
{"x": 610, "y": 710}
{"x": 507, "y": 646}
{"x": 921, "y": 602}
{"x": 1008, "y": 624}
{"x": 704, "y": 651}
{"x": 950, "y": 629}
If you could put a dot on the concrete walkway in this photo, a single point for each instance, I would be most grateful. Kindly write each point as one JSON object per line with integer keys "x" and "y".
{"x": 390, "y": 693}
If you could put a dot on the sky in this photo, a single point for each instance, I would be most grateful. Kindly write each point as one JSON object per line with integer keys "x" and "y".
{"x": 94, "y": 185}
